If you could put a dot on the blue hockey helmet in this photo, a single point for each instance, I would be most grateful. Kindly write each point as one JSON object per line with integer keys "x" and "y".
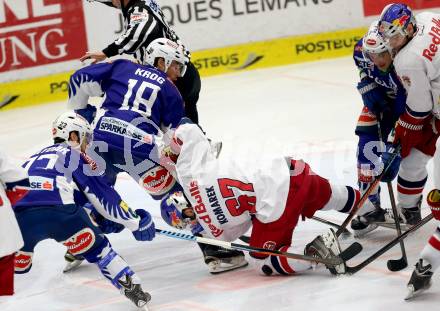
{"x": 172, "y": 210}
{"x": 395, "y": 19}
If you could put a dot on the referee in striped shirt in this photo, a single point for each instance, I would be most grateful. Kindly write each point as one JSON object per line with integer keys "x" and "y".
{"x": 143, "y": 23}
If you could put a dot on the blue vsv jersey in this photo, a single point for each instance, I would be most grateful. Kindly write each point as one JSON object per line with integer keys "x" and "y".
{"x": 60, "y": 175}
{"x": 128, "y": 87}
{"x": 387, "y": 80}
{"x": 389, "y": 83}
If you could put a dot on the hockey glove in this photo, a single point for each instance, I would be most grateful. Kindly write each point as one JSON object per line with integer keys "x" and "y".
{"x": 15, "y": 191}
{"x": 107, "y": 226}
{"x": 87, "y": 113}
{"x": 146, "y": 230}
{"x": 408, "y": 132}
{"x": 394, "y": 166}
{"x": 434, "y": 203}
{"x": 372, "y": 95}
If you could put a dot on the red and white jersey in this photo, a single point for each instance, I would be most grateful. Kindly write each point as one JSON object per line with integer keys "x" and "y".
{"x": 418, "y": 66}
{"x": 226, "y": 192}
{"x": 10, "y": 234}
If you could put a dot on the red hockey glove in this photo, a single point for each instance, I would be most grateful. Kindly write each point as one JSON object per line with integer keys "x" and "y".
{"x": 408, "y": 132}
{"x": 434, "y": 203}
{"x": 16, "y": 194}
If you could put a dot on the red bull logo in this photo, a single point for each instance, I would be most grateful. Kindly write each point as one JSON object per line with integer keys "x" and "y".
{"x": 400, "y": 22}
{"x": 175, "y": 220}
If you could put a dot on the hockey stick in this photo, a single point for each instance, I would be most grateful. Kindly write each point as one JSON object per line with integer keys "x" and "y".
{"x": 354, "y": 248}
{"x": 384, "y": 249}
{"x": 364, "y": 197}
{"x": 332, "y": 224}
{"x": 401, "y": 263}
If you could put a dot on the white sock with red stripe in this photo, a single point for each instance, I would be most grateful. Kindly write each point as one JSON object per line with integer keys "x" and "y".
{"x": 431, "y": 252}
{"x": 412, "y": 178}
{"x": 344, "y": 198}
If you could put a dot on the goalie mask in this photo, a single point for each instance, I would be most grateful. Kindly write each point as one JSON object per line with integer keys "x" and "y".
{"x": 169, "y": 51}
{"x": 177, "y": 212}
{"x": 69, "y": 122}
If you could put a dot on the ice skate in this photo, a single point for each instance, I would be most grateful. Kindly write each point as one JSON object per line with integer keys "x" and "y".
{"x": 134, "y": 292}
{"x": 221, "y": 260}
{"x": 72, "y": 262}
{"x": 326, "y": 246}
{"x": 420, "y": 280}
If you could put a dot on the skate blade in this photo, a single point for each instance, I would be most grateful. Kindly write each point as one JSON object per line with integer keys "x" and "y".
{"x": 412, "y": 293}
{"x": 216, "y": 269}
{"x": 72, "y": 266}
{"x": 363, "y": 232}
{"x": 403, "y": 226}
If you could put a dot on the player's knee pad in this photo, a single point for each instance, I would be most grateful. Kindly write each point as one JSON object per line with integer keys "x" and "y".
{"x": 82, "y": 241}
{"x": 112, "y": 266}
{"x": 158, "y": 181}
{"x": 23, "y": 262}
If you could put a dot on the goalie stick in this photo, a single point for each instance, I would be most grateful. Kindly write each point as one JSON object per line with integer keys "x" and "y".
{"x": 384, "y": 249}
{"x": 345, "y": 255}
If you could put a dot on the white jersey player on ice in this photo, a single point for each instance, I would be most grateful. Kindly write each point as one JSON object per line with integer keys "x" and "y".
{"x": 14, "y": 184}
{"x": 228, "y": 196}
{"x": 416, "y": 40}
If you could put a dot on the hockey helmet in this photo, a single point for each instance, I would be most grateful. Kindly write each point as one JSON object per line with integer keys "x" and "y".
{"x": 69, "y": 122}
{"x": 373, "y": 43}
{"x": 168, "y": 50}
{"x": 395, "y": 19}
{"x": 172, "y": 210}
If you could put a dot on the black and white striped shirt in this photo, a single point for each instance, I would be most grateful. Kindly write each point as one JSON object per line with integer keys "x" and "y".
{"x": 143, "y": 23}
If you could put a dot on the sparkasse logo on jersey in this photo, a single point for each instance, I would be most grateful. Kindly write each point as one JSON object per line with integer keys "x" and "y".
{"x": 375, "y": 7}
{"x": 40, "y": 32}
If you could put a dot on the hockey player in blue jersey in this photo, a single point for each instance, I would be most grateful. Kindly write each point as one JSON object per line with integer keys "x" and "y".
{"x": 140, "y": 101}
{"x": 62, "y": 179}
{"x": 384, "y": 100}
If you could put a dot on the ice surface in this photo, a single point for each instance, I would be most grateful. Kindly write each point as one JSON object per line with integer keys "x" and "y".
{"x": 309, "y": 111}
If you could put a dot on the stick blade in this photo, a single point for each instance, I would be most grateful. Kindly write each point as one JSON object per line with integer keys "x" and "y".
{"x": 351, "y": 251}
{"x": 397, "y": 264}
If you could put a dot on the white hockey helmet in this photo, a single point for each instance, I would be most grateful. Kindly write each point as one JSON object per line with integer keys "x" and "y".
{"x": 69, "y": 122}
{"x": 373, "y": 42}
{"x": 168, "y": 50}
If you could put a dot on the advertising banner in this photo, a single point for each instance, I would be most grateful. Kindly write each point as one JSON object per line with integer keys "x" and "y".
{"x": 35, "y": 33}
